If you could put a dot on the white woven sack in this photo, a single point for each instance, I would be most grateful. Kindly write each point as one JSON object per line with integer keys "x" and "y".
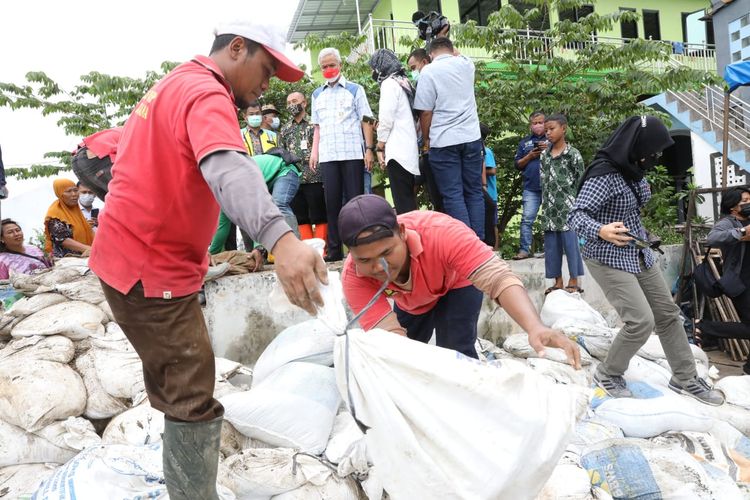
{"x": 442, "y": 425}
{"x": 18, "y": 481}
{"x": 76, "y": 320}
{"x": 99, "y": 403}
{"x": 35, "y": 394}
{"x": 29, "y": 305}
{"x": 138, "y": 426}
{"x": 561, "y": 304}
{"x": 736, "y": 389}
{"x": 48, "y": 348}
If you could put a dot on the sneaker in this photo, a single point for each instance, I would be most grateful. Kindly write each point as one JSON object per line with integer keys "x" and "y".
{"x": 613, "y": 385}
{"x": 521, "y": 255}
{"x": 697, "y": 388}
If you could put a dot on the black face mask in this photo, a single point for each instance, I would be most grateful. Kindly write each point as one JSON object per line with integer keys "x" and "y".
{"x": 745, "y": 210}
{"x": 375, "y": 75}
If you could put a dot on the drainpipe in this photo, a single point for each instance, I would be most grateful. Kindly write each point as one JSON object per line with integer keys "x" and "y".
{"x": 359, "y": 22}
{"x": 725, "y": 145}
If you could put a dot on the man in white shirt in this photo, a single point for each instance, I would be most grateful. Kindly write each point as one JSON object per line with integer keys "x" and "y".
{"x": 86, "y": 200}
{"x": 397, "y": 135}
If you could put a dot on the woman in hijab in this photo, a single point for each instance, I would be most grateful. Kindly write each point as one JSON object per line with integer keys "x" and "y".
{"x": 66, "y": 229}
{"x": 397, "y": 134}
{"x": 607, "y": 214}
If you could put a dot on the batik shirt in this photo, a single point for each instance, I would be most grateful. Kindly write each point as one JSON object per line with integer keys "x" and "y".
{"x": 559, "y": 176}
{"x": 298, "y": 138}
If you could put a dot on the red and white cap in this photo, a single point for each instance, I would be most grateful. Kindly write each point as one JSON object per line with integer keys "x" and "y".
{"x": 272, "y": 38}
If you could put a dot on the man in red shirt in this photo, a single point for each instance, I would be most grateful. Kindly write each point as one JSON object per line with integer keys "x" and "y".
{"x": 181, "y": 153}
{"x": 438, "y": 269}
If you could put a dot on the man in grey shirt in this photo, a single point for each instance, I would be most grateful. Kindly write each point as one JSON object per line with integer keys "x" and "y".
{"x": 450, "y": 127}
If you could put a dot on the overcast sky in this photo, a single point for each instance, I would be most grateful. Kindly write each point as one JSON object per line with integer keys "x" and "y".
{"x": 66, "y": 39}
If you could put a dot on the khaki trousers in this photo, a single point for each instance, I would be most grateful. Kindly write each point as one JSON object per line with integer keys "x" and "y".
{"x": 171, "y": 338}
{"x": 645, "y": 305}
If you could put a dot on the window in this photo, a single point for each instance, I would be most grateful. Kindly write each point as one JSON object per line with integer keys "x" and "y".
{"x": 736, "y": 56}
{"x": 576, "y": 14}
{"x": 651, "y": 29}
{"x": 735, "y": 36}
{"x": 628, "y": 29}
{"x": 428, "y": 6}
{"x": 477, "y": 10}
{"x": 745, "y": 41}
{"x": 695, "y": 29}
{"x": 540, "y": 23}
{"x": 745, "y": 20}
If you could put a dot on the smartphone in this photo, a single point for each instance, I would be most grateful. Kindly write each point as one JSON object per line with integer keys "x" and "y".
{"x": 641, "y": 243}
{"x": 94, "y": 213}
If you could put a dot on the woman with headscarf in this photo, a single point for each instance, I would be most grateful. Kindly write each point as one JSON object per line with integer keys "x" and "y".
{"x": 397, "y": 134}
{"x": 607, "y": 214}
{"x": 66, "y": 229}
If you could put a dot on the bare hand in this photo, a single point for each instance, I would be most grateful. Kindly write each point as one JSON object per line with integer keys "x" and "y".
{"x": 314, "y": 161}
{"x": 381, "y": 159}
{"x": 746, "y": 237}
{"x": 257, "y": 259}
{"x": 615, "y": 234}
{"x": 534, "y": 154}
{"x": 369, "y": 159}
{"x": 299, "y": 269}
{"x": 553, "y": 338}
{"x": 86, "y": 252}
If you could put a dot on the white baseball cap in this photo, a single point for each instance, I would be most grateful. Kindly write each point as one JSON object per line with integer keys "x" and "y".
{"x": 272, "y": 39}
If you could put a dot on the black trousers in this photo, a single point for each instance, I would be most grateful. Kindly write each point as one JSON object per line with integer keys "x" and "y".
{"x": 428, "y": 182}
{"x": 342, "y": 181}
{"x": 728, "y": 330}
{"x": 402, "y": 187}
{"x": 309, "y": 204}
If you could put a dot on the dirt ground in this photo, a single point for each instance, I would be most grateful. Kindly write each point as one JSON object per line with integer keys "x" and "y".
{"x": 724, "y": 363}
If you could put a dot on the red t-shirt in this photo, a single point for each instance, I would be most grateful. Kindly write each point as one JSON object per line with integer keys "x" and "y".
{"x": 103, "y": 143}
{"x": 444, "y": 252}
{"x": 161, "y": 213}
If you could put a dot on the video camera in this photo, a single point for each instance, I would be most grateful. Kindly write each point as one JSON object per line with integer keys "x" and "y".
{"x": 429, "y": 25}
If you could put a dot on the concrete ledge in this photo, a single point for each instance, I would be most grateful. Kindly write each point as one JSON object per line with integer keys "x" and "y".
{"x": 241, "y": 323}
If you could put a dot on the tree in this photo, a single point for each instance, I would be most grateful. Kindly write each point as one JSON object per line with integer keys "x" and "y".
{"x": 98, "y": 102}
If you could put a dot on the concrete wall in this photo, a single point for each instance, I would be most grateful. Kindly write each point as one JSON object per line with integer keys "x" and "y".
{"x": 241, "y": 323}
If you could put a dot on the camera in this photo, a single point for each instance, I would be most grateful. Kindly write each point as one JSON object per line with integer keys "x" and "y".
{"x": 429, "y": 25}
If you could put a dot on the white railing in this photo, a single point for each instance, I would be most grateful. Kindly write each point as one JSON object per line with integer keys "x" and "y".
{"x": 708, "y": 104}
{"x": 384, "y": 33}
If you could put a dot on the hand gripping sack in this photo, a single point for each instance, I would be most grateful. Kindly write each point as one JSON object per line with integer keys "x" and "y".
{"x": 441, "y": 425}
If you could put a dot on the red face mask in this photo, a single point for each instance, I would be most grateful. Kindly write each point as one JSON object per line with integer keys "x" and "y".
{"x": 331, "y": 73}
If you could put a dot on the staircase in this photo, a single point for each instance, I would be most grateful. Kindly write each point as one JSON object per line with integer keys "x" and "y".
{"x": 703, "y": 112}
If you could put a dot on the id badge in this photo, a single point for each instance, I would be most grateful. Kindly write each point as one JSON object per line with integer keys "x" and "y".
{"x": 303, "y": 144}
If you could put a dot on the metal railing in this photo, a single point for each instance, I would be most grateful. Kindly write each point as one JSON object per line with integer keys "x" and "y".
{"x": 708, "y": 105}
{"x": 384, "y": 33}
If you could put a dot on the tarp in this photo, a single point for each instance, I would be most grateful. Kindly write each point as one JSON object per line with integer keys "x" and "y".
{"x": 737, "y": 74}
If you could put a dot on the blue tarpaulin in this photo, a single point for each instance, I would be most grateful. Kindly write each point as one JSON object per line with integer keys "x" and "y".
{"x": 737, "y": 74}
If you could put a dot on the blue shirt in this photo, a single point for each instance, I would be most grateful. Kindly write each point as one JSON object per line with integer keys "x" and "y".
{"x": 339, "y": 112}
{"x": 531, "y": 171}
{"x": 603, "y": 200}
{"x": 446, "y": 87}
{"x": 489, "y": 162}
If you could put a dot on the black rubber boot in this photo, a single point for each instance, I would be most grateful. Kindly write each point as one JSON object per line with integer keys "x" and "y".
{"x": 191, "y": 459}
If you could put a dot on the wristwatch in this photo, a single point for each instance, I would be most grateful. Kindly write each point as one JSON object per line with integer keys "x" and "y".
{"x": 743, "y": 230}
{"x": 371, "y": 148}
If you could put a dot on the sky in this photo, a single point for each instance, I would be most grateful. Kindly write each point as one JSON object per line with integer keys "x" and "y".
{"x": 66, "y": 39}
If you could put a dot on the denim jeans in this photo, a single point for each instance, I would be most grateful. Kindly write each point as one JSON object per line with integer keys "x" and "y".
{"x": 457, "y": 171}
{"x": 531, "y": 201}
{"x": 368, "y": 182}
{"x": 454, "y": 319}
{"x": 283, "y": 191}
{"x": 555, "y": 244}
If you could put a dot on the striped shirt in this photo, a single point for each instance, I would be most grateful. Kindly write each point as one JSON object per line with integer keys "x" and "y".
{"x": 601, "y": 201}
{"x": 339, "y": 110}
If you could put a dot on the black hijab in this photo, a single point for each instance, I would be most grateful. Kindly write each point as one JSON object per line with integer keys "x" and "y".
{"x": 636, "y": 138}
{"x": 386, "y": 64}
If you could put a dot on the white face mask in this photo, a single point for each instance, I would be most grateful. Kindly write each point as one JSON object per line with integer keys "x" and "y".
{"x": 86, "y": 199}
{"x": 275, "y": 122}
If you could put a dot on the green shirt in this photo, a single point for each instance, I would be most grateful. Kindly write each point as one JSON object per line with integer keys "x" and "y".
{"x": 298, "y": 138}
{"x": 559, "y": 177}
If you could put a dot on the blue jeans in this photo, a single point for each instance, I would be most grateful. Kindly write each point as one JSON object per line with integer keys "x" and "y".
{"x": 557, "y": 242}
{"x": 283, "y": 191}
{"x": 368, "y": 182}
{"x": 531, "y": 201}
{"x": 454, "y": 319}
{"x": 458, "y": 174}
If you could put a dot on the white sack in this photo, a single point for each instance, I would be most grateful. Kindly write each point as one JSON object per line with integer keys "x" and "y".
{"x": 261, "y": 473}
{"x": 49, "y": 348}
{"x": 19, "y": 480}
{"x": 33, "y": 395}
{"x": 139, "y": 426}
{"x": 226, "y": 368}
{"x": 591, "y": 431}
{"x": 118, "y": 366}
{"x": 596, "y": 339}
{"x": 653, "y": 350}
{"x": 333, "y": 488}
{"x": 649, "y": 417}
{"x": 561, "y": 304}
{"x": 99, "y": 404}
{"x": 736, "y": 389}
{"x": 111, "y": 471}
{"x": 442, "y": 425}
{"x": 518, "y": 345}
{"x": 104, "y": 306}
{"x": 294, "y": 407}
{"x": 88, "y": 289}
{"x": 559, "y": 372}
{"x": 569, "y": 481}
{"x": 45, "y": 279}
{"x": 709, "y": 449}
{"x": 310, "y": 341}
{"x": 488, "y": 351}
{"x": 76, "y": 320}
{"x": 56, "y": 443}
{"x": 29, "y": 305}
{"x": 343, "y": 436}
{"x": 636, "y": 468}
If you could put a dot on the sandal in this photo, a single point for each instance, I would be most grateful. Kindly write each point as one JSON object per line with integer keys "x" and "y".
{"x": 551, "y": 289}
{"x": 574, "y": 289}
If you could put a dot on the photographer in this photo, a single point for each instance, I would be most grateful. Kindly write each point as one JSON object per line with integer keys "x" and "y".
{"x": 606, "y": 211}
{"x": 731, "y": 235}
{"x": 527, "y": 161}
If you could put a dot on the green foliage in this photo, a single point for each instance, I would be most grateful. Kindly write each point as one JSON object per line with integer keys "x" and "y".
{"x": 659, "y": 215}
